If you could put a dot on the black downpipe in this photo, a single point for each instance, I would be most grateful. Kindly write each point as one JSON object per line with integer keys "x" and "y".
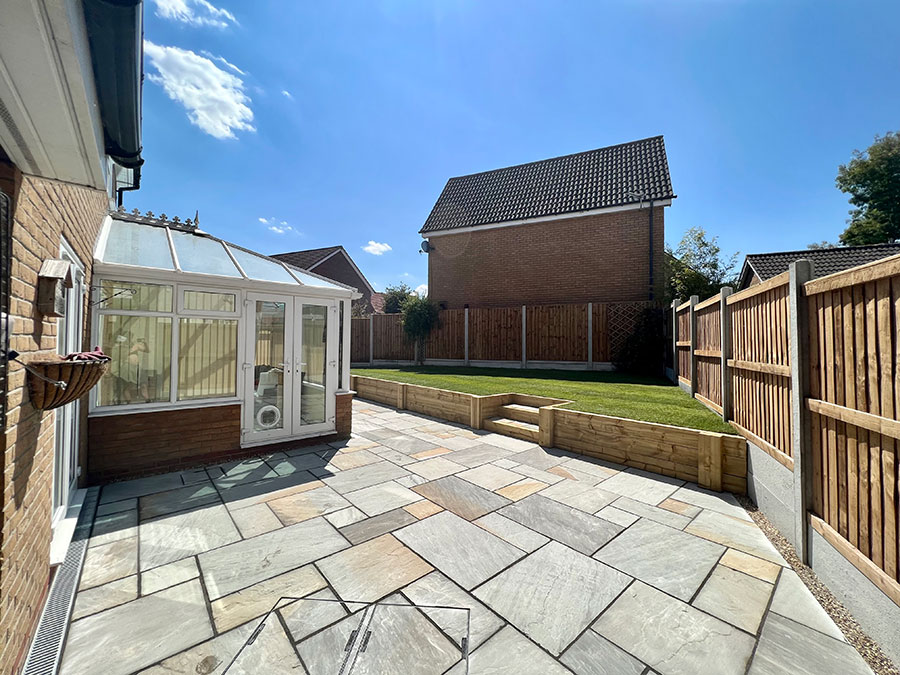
{"x": 651, "y": 249}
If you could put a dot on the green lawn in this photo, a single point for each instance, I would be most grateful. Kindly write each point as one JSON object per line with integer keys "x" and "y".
{"x": 638, "y": 398}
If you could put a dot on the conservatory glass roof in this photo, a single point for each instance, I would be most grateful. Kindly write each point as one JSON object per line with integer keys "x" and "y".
{"x": 157, "y": 243}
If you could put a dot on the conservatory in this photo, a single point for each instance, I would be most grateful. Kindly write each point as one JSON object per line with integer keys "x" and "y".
{"x": 214, "y": 348}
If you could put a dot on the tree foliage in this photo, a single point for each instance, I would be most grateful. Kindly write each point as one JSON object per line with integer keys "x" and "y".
{"x": 359, "y": 309}
{"x": 698, "y": 266}
{"x": 819, "y": 245}
{"x": 418, "y": 316}
{"x": 872, "y": 179}
{"x": 395, "y": 296}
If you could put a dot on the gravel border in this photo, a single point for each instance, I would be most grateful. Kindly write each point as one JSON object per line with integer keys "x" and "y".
{"x": 866, "y": 646}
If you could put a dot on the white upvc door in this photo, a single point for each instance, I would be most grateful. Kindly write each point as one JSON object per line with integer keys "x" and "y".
{"x": 70, "y": 328}
{"x": 290, "y": 370}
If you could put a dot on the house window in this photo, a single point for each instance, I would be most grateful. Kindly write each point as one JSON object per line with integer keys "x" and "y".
{"x": 162, "y": 354}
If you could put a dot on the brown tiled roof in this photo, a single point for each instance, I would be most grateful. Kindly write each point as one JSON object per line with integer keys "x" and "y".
{"x": 825, "y": 261}
{"x": 378, "y": 303}
{"x": 612, "y": 176}
{"x": 306, "y": 259}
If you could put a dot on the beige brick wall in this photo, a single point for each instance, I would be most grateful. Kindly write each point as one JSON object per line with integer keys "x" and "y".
{"x": 44, "y": 211}
{"x": 599, "y": 258}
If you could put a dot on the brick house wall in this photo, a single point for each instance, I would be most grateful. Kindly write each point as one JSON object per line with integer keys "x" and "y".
{"x": 43, "y": 212}
{"x": 339, "y": 269}
{"x": 596, "y": 258}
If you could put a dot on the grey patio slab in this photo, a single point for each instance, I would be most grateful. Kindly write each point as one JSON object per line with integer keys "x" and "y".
{"x": 371, "y": 570}
{"x": 538, "y": 458}
{"x": 210, "y": 657}
{"x": 249, "y": 561}
{"x": 302, "y": 506}
{"x": 580, "y": 495}
{"x": 461, "y": 497}
{"x": 794, "y": 601}
{"x": 323, "y": 652}
{"x": 285, "y": 465}
{"x": 538, "y": 474}
{"x": 177, "y": 536}
{"x": 124, "y": 639}
{"x": 617, "y": 516}
{"x": 194, "y": 476}
{"x": 139, "y": 487}
{"x": 464, "y": 552}
{"x": 103, "y": 597}
{"x": 181, "y": 499}
{"x": 593, "y": 654}
{"x": 596, "y": 467}
{"x": 736, "y": 533}
{"x": 565, "y": 524}
{"x": 241, "y": 473}
{"x": 305, "y": 617}
{"x": 363, "y": 530}
{"x": 254, "y": 520}
{"x": 364, "y": 476}
{"x": 113, "y": 527}
{"x": 377, "y": 499}
{"x": 643, "y": 486}
{"x": 436, "y": 467}
{"x": 490, "y": 476}
{"x": 789, "y": 648}
{"x": 748, "y": 564}
{"x": 508, "y": 443}
{"x": 714, "y": 501}
{"x": 411, "y": 480}
{"x": 661, "y": 556}
{"x": 437, "y": 590}
{"x": 478, "y": 455}
{"x": 672, "y": 637}
{"x": 395, "y": 456}
{"x": 566, "y": 592}
{"x": 679, "y": 507}
{"x": 407, "y": 444}
{"x": 248, "y": 603}
{"x": 345, "y": 517}
{"x": 270, "y": 652}
{"x": 168, "y": 575}
{"x": 241, "y": 496}
{"x": 351, "y": 460}
{"x": 511, "y": 531}
{"x": 117, "y": 507}
{"x": 735, "y": 597}
{"x": 508, "y": 651}
{"x": 109, "y": 562}
{"x": 573, "y": 473}
{"x": 654, "y": 513}
{"x": 459, "y": 442}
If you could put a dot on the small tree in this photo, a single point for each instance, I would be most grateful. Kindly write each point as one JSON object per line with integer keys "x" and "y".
{"x": 395, "y": 296}
{"x": 419, "y": 316}
{"x": 698, "y": 266}
{"x": 359, "y": 309}
{"x": 872, "y": 179}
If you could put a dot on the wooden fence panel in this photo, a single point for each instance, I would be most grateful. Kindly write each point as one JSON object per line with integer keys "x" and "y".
{"x": 556, "y": 332}
{"x": 854, "y": 372}
{"x": 760, "y": 365}
{"x": 599, "y": 328}
{"x": 683, "y": 342}
{"x": 359, "y": 340}
{"x": 709, "y": 351}
{"x": 495, "y": 334}
{"x": 448, "y": 339}
{"x": 391, "y": 343}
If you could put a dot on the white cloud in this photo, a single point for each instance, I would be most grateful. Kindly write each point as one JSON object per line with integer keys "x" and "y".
{"x": 264, "y": 221}
{"x": 287, "y": 94}
{"x": 214, "y": 99}
{"x": 422, "y": 289}
{"x": 194, "y": 12}
{"x": 223, "y": 61}
{"x": 281, "y": 229}
{"x": 376, "y": 248}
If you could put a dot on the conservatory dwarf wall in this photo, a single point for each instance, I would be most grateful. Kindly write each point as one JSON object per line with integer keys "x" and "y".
{"x": 215, "y": 349}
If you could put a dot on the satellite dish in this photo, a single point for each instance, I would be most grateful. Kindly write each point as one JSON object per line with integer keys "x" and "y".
{"x": 426, "y": 247}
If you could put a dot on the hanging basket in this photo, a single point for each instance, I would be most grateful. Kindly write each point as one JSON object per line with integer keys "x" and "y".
{"x": 76, "y": 379}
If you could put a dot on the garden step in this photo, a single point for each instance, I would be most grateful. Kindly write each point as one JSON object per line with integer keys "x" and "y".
{"x": 514, "y": 428}
{"x": 523, "y": 413}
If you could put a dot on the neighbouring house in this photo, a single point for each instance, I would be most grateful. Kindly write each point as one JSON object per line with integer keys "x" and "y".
{"x": 216, "y": 351}
{"x": 333, "y": 262}
{"x": 588, "y": 227}
{"x": 759, "y": 267}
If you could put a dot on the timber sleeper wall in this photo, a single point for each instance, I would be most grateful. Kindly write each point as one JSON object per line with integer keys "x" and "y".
{"x": 714, "y": 461}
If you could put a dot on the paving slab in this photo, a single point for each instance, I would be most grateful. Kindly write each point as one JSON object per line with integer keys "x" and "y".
{"x": 436, "y": 467}
{"x": 643, "y": 486}
{"x": 114, "y": 526}
{"x": 672, "y": 637}
{"x": 302, "y": 506}
{"x": 490, "y": 476}
{"x": 241, "y": 496}
{"x": 509, "y": 530}
{"x": 462, "y": 497}
{"x": 109, "y": 562}
{"x": 735, "y": 533}
{"x": 305, "y": 617}
{"x": 244, "y": 563}
{"x": 180, "y": 535}
{"x": 117, "y": 507}
{"x": 478, "y": 455}
{"x": 566, "y": 592}
{"x": 654, "y": 513}
{"x": 617, "y": 516}
{"x": 324, "y": 652}
{"x": 565, "y": 524}
{"x": 679, "y": 507}
{"x": 254, "y": 520}
{"x": 749, "y": 564}
{"x": 172, "y": 574}
{"x": 508, "y": 651}
{"x": 377, "y": 499}
{"x": 735, "y": 597}
{"x": 661, "y": 556}
{"x": 180, "y": 499}
{"x": 423, "y": 508}
{"x": 209, "y": 658}
{"x": 103, "y": 597}
{"x": 345, "y": 517}
{"x": 593, "y": 654}
{"x": 371, "y": 570}
{"x": 538, "y": 458}
{"x": 364, "y": 476}
{"x": 580, "y": 495}
{"x": 714, "y": 501}
{"x": 351, "y": 460}
{"x": 127, "y": 638}
{"x": 462, "y": 551}
{"x": 794, "y": 601}
{"x": 139, "y": 487}
{"x": 270, "y": 652}
{"x": 363, "y": 530}
{"x": 521, "y": 489}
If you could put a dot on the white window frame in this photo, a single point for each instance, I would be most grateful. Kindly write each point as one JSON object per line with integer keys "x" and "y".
{"x": 176, "y": 313}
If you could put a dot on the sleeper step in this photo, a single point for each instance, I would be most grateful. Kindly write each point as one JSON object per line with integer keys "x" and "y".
{"x": 523, "y": 413}
{"x": 514, "y": 428}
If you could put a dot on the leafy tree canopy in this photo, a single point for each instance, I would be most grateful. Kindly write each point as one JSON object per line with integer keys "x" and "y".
{"x": 395, "y": 296}
{"x": 419, "y": 316}
{"x": 872, "y": 179}
{"x": 818, "y": 245}
{"x": 698, "y": 266}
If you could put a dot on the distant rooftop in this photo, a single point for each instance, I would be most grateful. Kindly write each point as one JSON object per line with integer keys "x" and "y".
{"x": 617, "y": 175}
{"x": 308, "y": 258}
{"x": 825, "y": 261}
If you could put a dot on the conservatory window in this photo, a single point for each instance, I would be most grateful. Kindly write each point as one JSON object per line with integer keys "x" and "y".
{"x": 209, "y": 301}
{"x": 207, "y": 358}
{"x": 141, "y": 351}
{"x": 133, "y": 296}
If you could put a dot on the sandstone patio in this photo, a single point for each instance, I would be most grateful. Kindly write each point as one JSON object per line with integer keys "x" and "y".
{"x": 532, "y": 560}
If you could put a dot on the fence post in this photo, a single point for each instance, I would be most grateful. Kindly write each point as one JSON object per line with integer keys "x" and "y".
{"x": 725, "y": 341}
{"x": 590, "y": 322}
{"x": 524, "y": 339}
{"x": 401, "y": 397}
{"x": 801, "y": 441}
{"x": 675, "y": 303}
{"x": 466, "y": 336}
{"x": 546, "y": 426}
{"x": 693, "y": 356}
{"x": 371, "y": 339}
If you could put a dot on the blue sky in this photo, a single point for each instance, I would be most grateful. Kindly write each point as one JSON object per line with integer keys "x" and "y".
{"x": 340, "y": 122}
